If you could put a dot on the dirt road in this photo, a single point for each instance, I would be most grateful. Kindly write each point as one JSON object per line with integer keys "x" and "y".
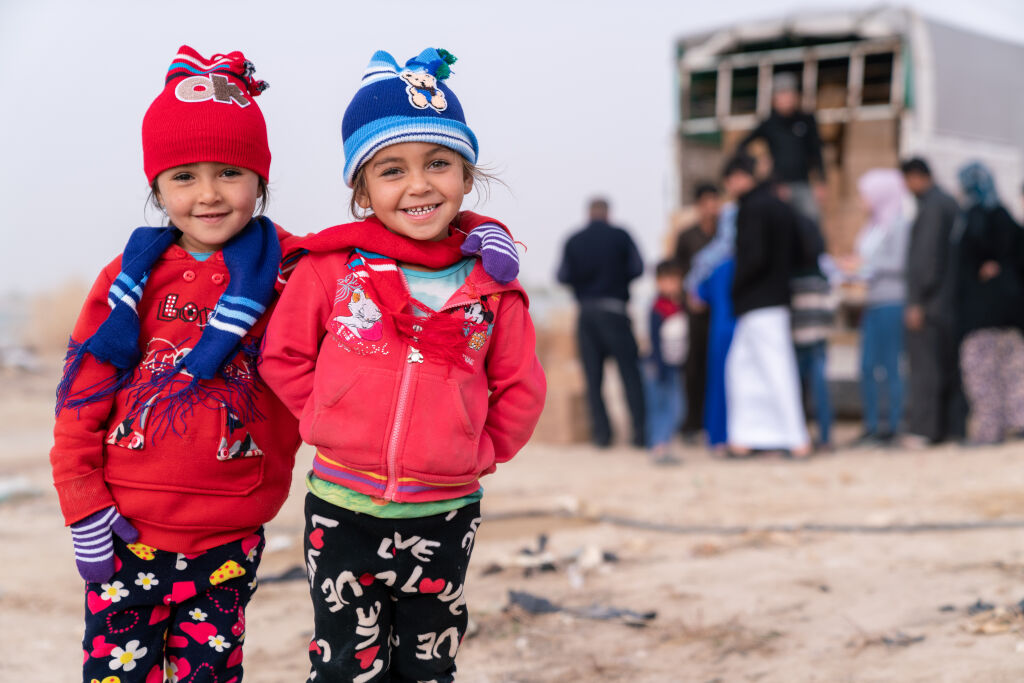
{"x": 742, "y": 599}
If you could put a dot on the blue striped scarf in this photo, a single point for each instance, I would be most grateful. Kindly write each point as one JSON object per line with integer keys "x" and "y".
{"x": 252, "y": 258}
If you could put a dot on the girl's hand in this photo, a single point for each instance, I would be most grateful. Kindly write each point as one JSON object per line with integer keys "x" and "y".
{"x": 989, "y": 270}
{"x": 849, "y": 263}
{"x": 94, "y": 543}
{"x": 496, "y": 250}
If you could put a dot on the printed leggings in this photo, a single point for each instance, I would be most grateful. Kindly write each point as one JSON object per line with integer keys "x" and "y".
{"x": 169, "y": 615}
{"x": 387, "y": 594}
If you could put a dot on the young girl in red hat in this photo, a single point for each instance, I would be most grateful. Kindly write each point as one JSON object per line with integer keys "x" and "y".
{"x": 169, "y": 451}
{"x": 412, "y": 377}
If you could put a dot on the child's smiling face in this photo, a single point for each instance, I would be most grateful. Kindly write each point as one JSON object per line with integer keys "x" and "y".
{"x": 209, "y": 202}
{"x": 415, "y": 188}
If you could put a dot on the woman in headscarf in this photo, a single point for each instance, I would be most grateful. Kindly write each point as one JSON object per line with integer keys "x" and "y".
{"x": 882, "y": 251}
{"x": 990, "y": 310}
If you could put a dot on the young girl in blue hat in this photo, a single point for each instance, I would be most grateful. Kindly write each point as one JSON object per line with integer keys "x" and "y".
{"x": 413, "y": 371}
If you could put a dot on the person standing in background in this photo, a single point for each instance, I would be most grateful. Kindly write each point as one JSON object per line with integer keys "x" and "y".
{"x": 990, "y": 311}
{"x": 716, "y": 290}
{"x": 667, "y": 331}
{"x": 599, "y": 262}
{"x": 814, "y": 307}
{"x": 882, "y": 258}
{"x": 689, "y": 243}
{"x": 931, "y": 351}
{"x": 795, "y": 146}
{"x": 762, "y": 384}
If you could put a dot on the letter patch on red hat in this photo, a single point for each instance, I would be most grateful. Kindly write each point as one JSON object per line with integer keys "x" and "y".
{"x": 214, "y": 87}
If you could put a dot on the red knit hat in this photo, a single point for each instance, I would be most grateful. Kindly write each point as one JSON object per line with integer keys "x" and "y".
{"x": 207, "y": 112}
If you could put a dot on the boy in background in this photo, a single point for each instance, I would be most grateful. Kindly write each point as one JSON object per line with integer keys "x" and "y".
{"x": 668, "y": 335}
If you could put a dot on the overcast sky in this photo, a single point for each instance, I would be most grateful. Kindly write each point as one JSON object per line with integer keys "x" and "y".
{"x": 568, "y": 99}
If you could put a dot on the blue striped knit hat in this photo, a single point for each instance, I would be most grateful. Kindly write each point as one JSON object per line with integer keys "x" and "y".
{"x": 410, "y": 104}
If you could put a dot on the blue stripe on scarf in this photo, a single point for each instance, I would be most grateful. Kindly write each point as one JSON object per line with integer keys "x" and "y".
{"x": 254, "y": 305}
{"x": 252, "y": 258}
{"x": 221, "y": 312}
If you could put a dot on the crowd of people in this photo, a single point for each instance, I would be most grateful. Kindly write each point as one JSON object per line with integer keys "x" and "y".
{"x": 748, "y": 299}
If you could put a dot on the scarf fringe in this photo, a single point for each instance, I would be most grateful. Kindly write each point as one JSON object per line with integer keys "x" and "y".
{"x": 100, "y": 391}
{"x": 169, "y": 399}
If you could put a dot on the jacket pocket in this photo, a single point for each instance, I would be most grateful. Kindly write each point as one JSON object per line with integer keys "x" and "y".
{"x": 194, "y": 461}
{"x": 353, "y": 418}
{"x": 441, "y": 440}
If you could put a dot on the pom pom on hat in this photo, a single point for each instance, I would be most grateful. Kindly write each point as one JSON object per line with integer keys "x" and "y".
{"x": 206, "y": 112}
{"x": 404, "y": 104}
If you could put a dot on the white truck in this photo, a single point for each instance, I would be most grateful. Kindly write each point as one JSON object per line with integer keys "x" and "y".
{"x": 884, "y": 84}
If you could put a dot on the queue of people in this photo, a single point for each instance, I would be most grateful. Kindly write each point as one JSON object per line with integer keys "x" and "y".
{"x": 739, "y": 327}
{"x": 750, "y": 295}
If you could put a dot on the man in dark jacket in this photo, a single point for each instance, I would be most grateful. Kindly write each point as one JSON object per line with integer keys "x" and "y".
{"x": 795, "y": 146}
{"x": 689, "y": 242}
{"x": 930, "y": 345}
{"x": 762, "y": 383}
{"x": 598, "y": 263}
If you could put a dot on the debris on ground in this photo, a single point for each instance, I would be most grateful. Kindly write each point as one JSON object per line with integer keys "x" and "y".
{"x": 995, "y": 621}
{"x": 893, "y": 639}
{"x": 296, "y": 573}
{"x": 16, "y": 488}
{"x": 20, "y": 359}
{"x": 278, "y": 542}
{"x": 535, "y": 604}
{"x": 889, "y": 639}
{"x": 980, "y": 606}
{"x": 538, "y": 558}
{"x": 730, "y": 637}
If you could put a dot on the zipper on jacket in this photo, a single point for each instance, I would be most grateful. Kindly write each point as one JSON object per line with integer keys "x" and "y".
{"x": 396, "y": 427}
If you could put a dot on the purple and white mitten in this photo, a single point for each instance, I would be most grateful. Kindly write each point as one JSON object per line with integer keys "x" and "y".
{"x": 496, "y": 250}
{"x": 94, "y": 543}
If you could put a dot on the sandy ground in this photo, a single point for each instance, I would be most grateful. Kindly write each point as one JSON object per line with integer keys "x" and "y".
{"x": 828, "y": 604}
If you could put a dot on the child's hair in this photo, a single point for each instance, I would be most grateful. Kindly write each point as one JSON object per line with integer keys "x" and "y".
{"x": 261, "y": 205}
{"x": 703, "y": 189}
{"x": 482, "y": 178}
{"x": 668, "y": 268}
{"x": 740, "y": 163}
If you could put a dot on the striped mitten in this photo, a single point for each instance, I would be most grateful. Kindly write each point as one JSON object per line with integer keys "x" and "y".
{"x": 94, "y": 543}
{"x": 496, "y": 250}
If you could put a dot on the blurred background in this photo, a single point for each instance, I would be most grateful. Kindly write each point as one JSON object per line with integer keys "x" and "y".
{"x": 637, "y": 102}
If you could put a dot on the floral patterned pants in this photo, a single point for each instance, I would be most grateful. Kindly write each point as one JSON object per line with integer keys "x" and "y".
{"x": 992, "y": 362}
{"x": 169, "y": 615}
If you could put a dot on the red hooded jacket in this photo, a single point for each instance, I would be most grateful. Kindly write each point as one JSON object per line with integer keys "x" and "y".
{"x": 388, "y": 419}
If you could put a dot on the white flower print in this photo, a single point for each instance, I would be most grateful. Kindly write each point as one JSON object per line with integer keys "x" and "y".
{"x": 145, "y": 580}
{"x": 125, "y": 657}
{"x": 198, "y": 614}
{"x": 252, "y": 584}
{"x": 219, "y": 643}
{"x": 113, "y": 591}
{"x": 171, "y": 670}
{"x": 179, "y": 563}
{"x": 251, "y": 555}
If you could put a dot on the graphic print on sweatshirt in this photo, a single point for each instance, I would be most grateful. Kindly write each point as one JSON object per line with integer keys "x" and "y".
{"x": 479, "y": 322}
{"x": 160, "y": 357}
{"x": 356, "y": 319}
